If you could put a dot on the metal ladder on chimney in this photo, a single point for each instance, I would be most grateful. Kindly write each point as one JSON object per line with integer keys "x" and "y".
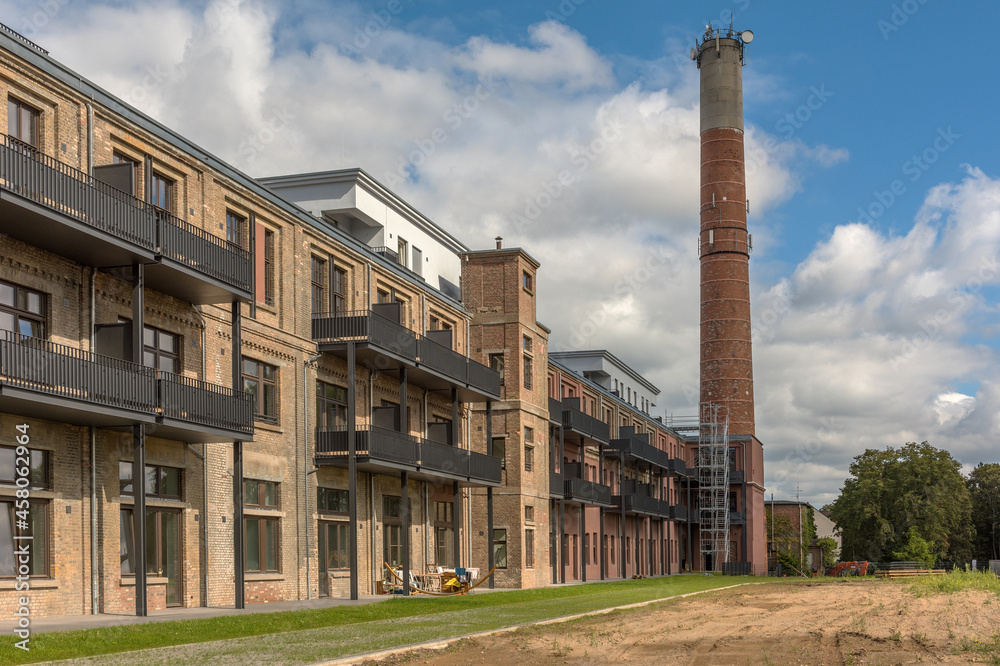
{"x": 713, "y": 483}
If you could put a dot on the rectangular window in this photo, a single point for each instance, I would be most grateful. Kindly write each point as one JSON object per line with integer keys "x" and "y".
{"x": 38, "y": 468}
{"x": 529, "y": 458}
{"x": 318, "y": 281}
{"x": 161, "y": 350}
{"x": 500, "y": 548}
{"x": 234, "y": 227}
{"x": 333, "y": 539}
{"x": 586, "y": 548}
{"x": 24, "y": 521}
{"x": 402, "y": 253}
{"x": 500, "y": 450}
{"x": 269, "y": 267}
{"x": 496, "y": 363}
{"x": 261, "y": 538}
{"x": 260, "y": 380}
{"x": 526, "y": 281}
{"x": 444, "y": 533}
{"x": 529, "y": 514}
{"x": 118, "y": 158}
{"x": 392, "y": 531}
{"x": 382, "y": 296}
{"x": 161, "y": 482}
{"x": 22, "y": 122}
{"x": 332, "y": 500}
{"x": 162, "y": 195}
{"x": 526, "y": 343}
{"x": 527, "y": 372}
{"x": 529, "y": 435}
{"x": 529, "y": 549}
{"x": 260, "y": 494}
{"x": 22, "y": 310}
{"x": 339, "y": 290}
{"x": 331, "y": 405}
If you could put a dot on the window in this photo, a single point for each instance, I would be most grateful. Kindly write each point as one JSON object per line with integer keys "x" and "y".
{"x": 38, "y": 467}
{"x": 529, "y": 514}
{"x": 260, "y": 494}
{"x": 318, "y": 280}
{"x": 339, "y": 290}
{"x": 333, "y": 540}
{"x": 527, "y": 372}
{"x": 526, "y": 343}
{"x": 261, "y": 538}
{"x": 500, "y": 548}
{"x": 22, "y": 310}
{"x": 234, "y": 227}
{"x": 260, "y": 381}
{"x": 392, "y": 533}
{"x": 500, "y": 450}
{"x": 418, "y": 261}
{"x": 332, "y": 500}
{"x": 529, "y": 458}
{"x": 22, "y": 122}
{"x": 529, "y": 435}
{"x": 161, "y": 482}
{"x": 593, "y": 541}
{"x": 331, "y": 405}
{"x": 269, "y": 267}
{"x": 496, "y": 363}
{"x": 586, "y": 548}
{"x": 16, "y": 523}
{"x": 529, "y": 549}
{"x": 162, "y": 195}
{"x": 382, "y": 296}
{"x": 162, "y": 546}
{"x": 161, "y": 350}
{"x": 402, "y": 253}
{"x": 526, "y": 280}
{"x": 444, "y": 533}
{"x": 732, "y": 459}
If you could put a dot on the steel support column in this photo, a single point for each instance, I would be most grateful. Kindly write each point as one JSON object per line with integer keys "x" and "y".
{"x": 404, "y": 512}
{"x": 456, "y": 514}
{"x": 352, "y": 468}
{"x": 239, "y": 598}
{"x": 139, "y": 515}
{"x": 489, "y": 532}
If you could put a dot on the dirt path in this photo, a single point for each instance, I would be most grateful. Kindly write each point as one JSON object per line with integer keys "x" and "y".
{"x": 785, "y": 623}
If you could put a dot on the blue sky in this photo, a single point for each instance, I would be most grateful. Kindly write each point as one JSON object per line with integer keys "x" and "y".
{"x": 875, "y": 188}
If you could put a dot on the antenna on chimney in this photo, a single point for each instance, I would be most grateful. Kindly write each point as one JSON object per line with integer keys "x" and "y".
{"x": 499, "y": 240}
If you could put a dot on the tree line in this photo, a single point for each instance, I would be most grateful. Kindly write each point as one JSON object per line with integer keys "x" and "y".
{"x": 913, "y": 503}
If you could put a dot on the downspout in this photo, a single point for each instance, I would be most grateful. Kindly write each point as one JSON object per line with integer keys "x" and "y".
{"x": 376, "y": 569}
{"x": 95, "y": 605}
{"x": 427, "y": 526}
{"x": 305, "y": 461}
{"x": 204, "y": 459}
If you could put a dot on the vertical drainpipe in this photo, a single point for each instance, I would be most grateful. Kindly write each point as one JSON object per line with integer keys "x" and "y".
{"x": 305, "y": 461}
{"x": 204, "y": 457}
{"x": 95, "y": 605}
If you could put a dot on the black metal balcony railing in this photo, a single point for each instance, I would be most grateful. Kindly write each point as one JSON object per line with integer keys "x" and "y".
{"x": 679, "y": 512}
{"x": 446, "y": 361}
{"x": 556, "y": 482}
{"x": 587, "y": 491}
{"x": 484, "y": 378}
{"x": 736, "y": 476}
{"x": 678, "y": 466}
{"x": 366, "y": 326}
{"x": 29, "y": 173}
{"x": 212, "y": 405}
{"x": 585, "y": 424}
{"x": 403, "y": 449}
{"x": 639, "y": 503}
{"x": 58, "y": 370}
{"x": 387, "y": 252}
{"x": 555, "y": 410}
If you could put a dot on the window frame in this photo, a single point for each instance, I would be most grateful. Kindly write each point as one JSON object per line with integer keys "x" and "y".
{"x": 526, "y": 282}
{"x": 162, "y": 191}
{"x": 318, "y": 284}
{"x": 527, "y": 371}
{"x": 323, "y": 500}
{"x": 323, "y": 401}
{"x": 339, "y": 289}
{"x": 500, "y": 547}
{"x": 262, "y": 522}
{"x": 35, "y": 116}
{"x": 156, "y": 491}
{"x": 496, "y": 362}
{"x": 158, "y": 353}
{"x": 529, "y": 548}
{"x": 46, "y": 467}
{"x": 235, "y": 223}
{"x": 262, "y": 485}
{"x": 259, "y": 394}
{"x": 43, "y": 557}
{"x": 20, "y": 314}
{"x": 342, "y": 529}
{"x": 269, "y": 267}
{"x": 503, "y": 451}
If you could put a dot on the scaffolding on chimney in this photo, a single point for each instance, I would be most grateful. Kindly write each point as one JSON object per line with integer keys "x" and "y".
{"x": 713, "y": 483}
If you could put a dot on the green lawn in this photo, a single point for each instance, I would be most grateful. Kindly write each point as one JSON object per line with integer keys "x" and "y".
{"x": 311, "y": 635}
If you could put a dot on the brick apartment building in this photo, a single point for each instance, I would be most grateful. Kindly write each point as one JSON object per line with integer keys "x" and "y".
{"x": 243, "y": 391}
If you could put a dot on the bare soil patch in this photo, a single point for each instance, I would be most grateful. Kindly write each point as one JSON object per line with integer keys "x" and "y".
{"x": 835, "y": 622}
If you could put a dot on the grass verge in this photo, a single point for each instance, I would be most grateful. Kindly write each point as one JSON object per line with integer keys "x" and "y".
{"x": 310, "y": 635}
{"x": 955, "y": 580}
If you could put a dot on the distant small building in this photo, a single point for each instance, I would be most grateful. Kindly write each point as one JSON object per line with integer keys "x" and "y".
{"x": 797, "y": 514}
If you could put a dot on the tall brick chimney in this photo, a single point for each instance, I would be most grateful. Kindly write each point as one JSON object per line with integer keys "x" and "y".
{"x": 726, "y": 359}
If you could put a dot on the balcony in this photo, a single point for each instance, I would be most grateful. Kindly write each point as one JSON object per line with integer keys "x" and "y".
{"x": 736, "y": 476}
{"x": 583, "y": 426}
{"x": 50, "y": 381}
{"x": 556, "y": 484}
{"x": 678, "y": 512}
{"x": 679, "y": 467}
{"x": 63, "y": 210}
{"x": 381, "y": 451}
{"x": 638, "y": 503}
{"x": 587, "y": 492}
{"x": 636, "y": 446}
{"x": 382, "y": 343}
{"x": 555, "y": 411}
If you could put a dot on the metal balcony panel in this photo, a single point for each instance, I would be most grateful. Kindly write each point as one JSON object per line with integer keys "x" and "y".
{"x": 555, "y": 411}
{"x": 736, "y": 476}
{"x": 556, "y": 482}
{"x": 58, "y": 383}
{"x": 381, "y": 451}
{"x": 584, "y": 426}
{"x": 60, "y": 209}
{"x": 587, "y": 492}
